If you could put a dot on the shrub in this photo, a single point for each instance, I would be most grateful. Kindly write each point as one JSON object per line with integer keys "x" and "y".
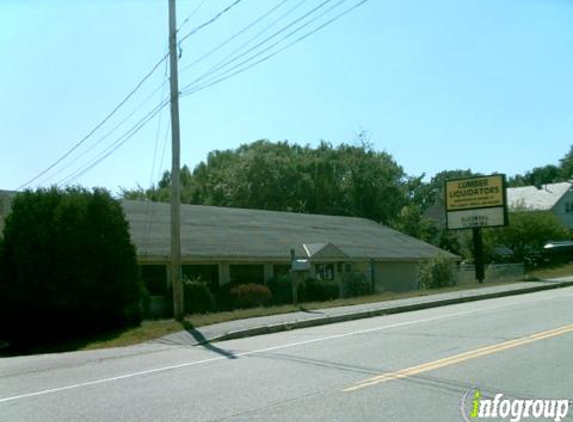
{"x": 436, "y": 273}
{"x": 355, "y": 284}
{"x": 198, "y": 298}
{"x": 281, "y": 289}
{"x": 320, "y": 290}
{"x": 67, "y": 260}
{"x": 525, "y": 235}
{"x": 250, "y": 295}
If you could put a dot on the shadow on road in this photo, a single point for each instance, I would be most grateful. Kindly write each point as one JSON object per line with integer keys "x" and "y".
{"x": 203, "y": 342}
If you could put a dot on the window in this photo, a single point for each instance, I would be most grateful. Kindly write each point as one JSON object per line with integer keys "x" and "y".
{"x": 206, "y": 273}
{"x": 324, "y": 271}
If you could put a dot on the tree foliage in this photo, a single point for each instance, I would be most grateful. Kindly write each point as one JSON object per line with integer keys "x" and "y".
{"x": 537, "y": 177}
{"x": 550, "y": 173}
{"x": 437, "y": 273}
{"x": 67, "y": 265}
{"x": 344, "y": 180}
{"x": 525, "y": 235}
{"x": 566, "y": 165}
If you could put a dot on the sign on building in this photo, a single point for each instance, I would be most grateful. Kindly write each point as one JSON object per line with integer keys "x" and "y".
{"x": 476, "y": 202}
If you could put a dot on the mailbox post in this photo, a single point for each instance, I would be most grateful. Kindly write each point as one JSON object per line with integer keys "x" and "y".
{"x": 297, "y": 267}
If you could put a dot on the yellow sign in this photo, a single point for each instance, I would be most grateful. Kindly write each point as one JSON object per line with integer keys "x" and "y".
{"x": 479, "y": 192}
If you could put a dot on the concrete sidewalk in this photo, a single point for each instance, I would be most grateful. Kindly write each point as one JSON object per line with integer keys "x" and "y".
{"x": 275, "y": 323}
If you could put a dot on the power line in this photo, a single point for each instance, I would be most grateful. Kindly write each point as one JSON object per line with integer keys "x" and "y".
{"x": 230, "y": 59}
{"x": 224, "y": 76}
{"x": 233, "y": 37}
{"x": 193, "y": 87}
{"x": 103, "y": 138}
{"x": 115, "y": 145}
{"x": 210, "y": 21}
{"x": 126, "y": 99}
{"x": 149, "y": 214}
{"x": 99, "y": 125}
{"x": 191, "y": 15}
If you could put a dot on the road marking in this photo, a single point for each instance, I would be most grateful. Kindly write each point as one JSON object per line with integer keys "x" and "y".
{"x": 462, "y": 357}
{"x": 252, "y": 352}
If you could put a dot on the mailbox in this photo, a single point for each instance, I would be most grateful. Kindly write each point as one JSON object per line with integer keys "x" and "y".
{"x": 300, "y": 265}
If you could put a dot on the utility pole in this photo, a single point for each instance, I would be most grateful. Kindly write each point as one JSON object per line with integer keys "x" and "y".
{"x": 176, "y": 282}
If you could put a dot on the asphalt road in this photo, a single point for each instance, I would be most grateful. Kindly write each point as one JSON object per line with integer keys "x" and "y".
{"x": 517, "y": 346}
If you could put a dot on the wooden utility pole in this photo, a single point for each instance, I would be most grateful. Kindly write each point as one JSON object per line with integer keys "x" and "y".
{"x": 176, "y": 282}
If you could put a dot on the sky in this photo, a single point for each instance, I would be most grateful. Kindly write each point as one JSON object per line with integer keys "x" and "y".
{"x": 485, "y": 85}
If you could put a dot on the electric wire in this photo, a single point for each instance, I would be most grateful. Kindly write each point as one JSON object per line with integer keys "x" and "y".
{"x": 210, "y": 21}
{"x": 97, "y": 127}
{"x": 191, "y": 90}
{"x": 149, "y": 214}
{"x": 103, "y": 138}
{"x": 212, "y": 79}
{"x": 234, "y": 56}
{"x": 233, "y": 37}
{"x": 188, "y": 18}
{"x": 115, "y": 145}
{"x": 125, "y": 99}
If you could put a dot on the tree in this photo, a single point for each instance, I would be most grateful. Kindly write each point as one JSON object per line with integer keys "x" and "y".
{"x": 67, "y": 261}
{"x": 413, "y": 223}
{"x": 537, "y": 177}
{"x": 526, "y": 234}
{"x": 566, "y": 165}
{"x": 433, "y": 192}
{"x": 344, "y": 180}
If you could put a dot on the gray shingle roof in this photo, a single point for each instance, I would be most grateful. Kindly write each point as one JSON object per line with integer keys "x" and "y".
{"x": 543, "y": 199}
{"x": 215, "y": 233}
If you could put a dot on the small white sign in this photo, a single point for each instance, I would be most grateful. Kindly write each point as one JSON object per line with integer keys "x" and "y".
{"x": 469, "y": 219}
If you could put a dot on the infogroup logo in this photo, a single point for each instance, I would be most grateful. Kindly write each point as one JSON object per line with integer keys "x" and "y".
{"x": 475, "y": 406}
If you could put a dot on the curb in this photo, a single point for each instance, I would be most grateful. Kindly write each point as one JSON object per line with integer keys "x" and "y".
{"x": 315, "y": 322}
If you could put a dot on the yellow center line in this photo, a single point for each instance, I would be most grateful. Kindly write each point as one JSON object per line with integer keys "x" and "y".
{"x": 473, "y": 354}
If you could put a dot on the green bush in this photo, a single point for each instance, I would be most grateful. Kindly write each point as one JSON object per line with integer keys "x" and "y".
{"x": 250, "y": 295}
{"x": 436, "y": 273}
{"x": 67, "y": 262}
{"x": 525, "y": 235}
{"x": 355, "y": 284}
{"x": 198, "y": 298}
{"x": 281, "y": 289}
{"x": 320, "y": 290}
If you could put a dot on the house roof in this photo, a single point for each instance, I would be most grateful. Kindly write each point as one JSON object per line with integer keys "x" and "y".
{"x": 543, "y": 198}
{"x": 323, "y": 251}
{"x": 210, "y": 233}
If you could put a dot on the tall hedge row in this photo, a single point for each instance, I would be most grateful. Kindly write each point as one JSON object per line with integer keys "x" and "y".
{"x": 67, "y": 267}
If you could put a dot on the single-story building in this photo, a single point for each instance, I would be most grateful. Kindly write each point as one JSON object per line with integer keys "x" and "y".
{"x": 223, "y": 245}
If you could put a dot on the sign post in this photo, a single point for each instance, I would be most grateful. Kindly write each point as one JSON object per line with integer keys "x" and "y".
{"x": 475, "y": 203}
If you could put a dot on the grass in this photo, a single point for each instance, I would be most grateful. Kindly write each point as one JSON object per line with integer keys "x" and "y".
{"x": 154, "y": 329}
{"x": 553, "y": 271}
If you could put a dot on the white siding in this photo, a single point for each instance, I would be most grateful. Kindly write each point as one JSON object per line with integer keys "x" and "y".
{"x": 564, "y": 210}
